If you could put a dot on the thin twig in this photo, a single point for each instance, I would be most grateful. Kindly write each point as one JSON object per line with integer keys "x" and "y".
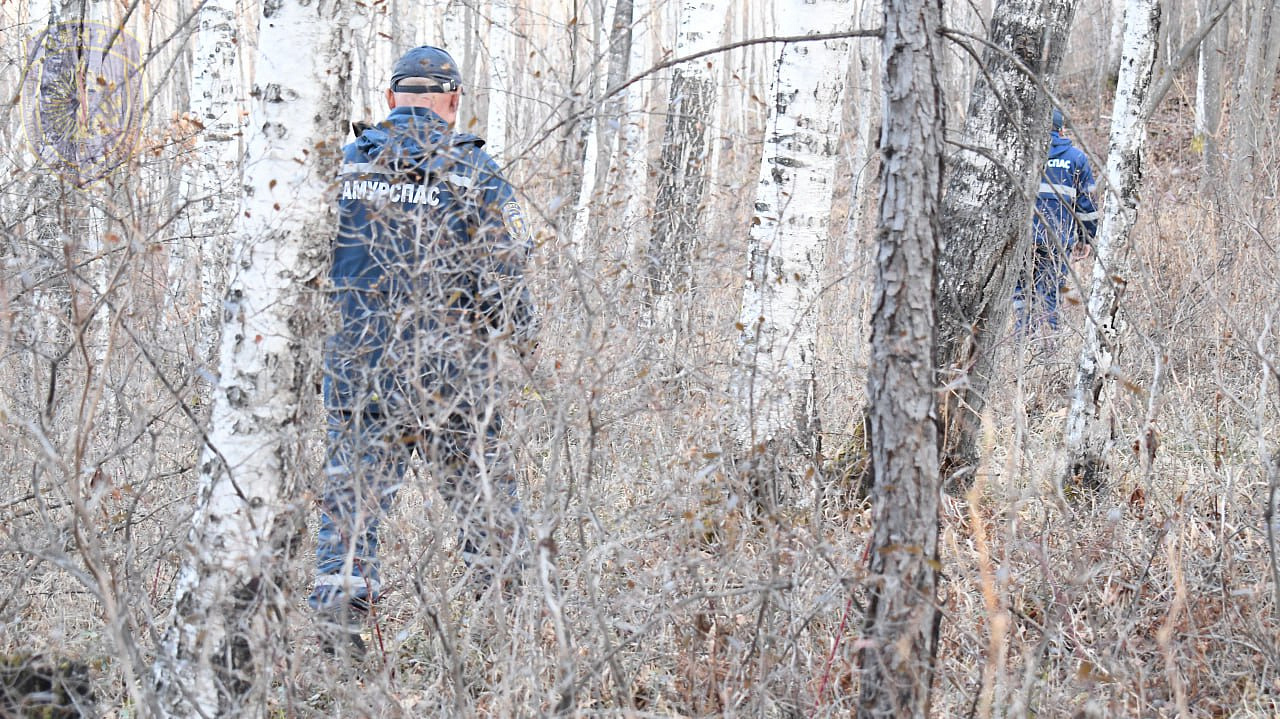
{"x": 610, "y": 92}
{"x": 1188, "y": 50}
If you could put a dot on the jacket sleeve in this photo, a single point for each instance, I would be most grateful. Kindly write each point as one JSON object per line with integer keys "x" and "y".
{"x": 503, "y": 237}
{"x": 1086, "y": 210}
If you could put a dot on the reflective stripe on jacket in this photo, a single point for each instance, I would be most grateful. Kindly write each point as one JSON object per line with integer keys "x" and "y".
{"x": 1065, "y": 200}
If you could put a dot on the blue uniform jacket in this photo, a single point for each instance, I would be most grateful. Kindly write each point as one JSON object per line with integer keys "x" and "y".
{"x": 427, "y": 268}
{"x": 1065, "y": 201}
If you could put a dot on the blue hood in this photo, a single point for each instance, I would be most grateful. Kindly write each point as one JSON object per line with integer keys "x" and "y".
{"x": 1059, "y": 145}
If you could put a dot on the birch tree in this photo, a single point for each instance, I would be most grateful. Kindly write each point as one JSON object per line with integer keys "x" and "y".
{"x": 501, "y": 46}
{"x": 1253, "y": 105}
{"x": 621, "y": 39}
{"x": 214, "y": 181}
{"x": 633, "y": 140}
{"x": 1088, "y": 431}
{"x": 1208, "y": 118}
{"x": 789, "y": 237}
{"x": 574, "y": 132}
{"x": 682, "y": 169}
{"x": 593, "y": 140}
{"x": 93, "y": 267}
{"x": 248, "y": 510}
{"x": 453, "y": 22}
{"x": 987, "y": 209}
{"x": 900, "y": 628}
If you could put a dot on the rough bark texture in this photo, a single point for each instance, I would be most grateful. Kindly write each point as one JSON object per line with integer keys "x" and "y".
{"x": 901, "y": 624}
{"x": 987, "y": 210}
{"x": 1087, "y": 435}
{"x": 682, "y": 167}
{"x": 247, "y": 515}
{"x": 787, "y": 246}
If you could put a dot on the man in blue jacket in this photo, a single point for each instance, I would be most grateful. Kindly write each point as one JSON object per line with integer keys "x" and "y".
{"x": 1065, "y": 221}
{"x": 428, "y": 282}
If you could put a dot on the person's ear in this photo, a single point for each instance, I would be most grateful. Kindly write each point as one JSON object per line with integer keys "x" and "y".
{"x": 391, "y": 99}
{"x": 455, "y": 99}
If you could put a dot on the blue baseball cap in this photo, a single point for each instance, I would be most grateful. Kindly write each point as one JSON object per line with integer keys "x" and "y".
{"x": 429, "y": 63}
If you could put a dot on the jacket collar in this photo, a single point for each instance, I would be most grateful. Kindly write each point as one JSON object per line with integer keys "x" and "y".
{"x": 422, "y": 113}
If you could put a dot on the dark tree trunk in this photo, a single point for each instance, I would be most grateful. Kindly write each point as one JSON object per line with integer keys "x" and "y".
{"x": 682, "y": 180}
{"x": 683, "y": 165}
{"x": 901, "y": 624}
{"x": 987, "y": 211}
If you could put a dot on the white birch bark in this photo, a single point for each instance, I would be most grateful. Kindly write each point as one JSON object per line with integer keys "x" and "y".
{"x": 1208, "y": 107}
{"x": 582, "y": 206}
{"x": 451, "y": 25}
{"x": 590, "y": 160}
{"x": 501, "y": 46}
{"x": 620, "y": 52}
{"x": 1088, "y": 431}
{"x": 790, "y": 234}
{"x": 95, "y": 225}
{"x": 246, "y": 502}
{"x": 213, "y": 183}
{"x": 634, "y": 139}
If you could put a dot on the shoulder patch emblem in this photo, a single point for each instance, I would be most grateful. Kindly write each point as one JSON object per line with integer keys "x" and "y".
{"x": 513, "y": 218}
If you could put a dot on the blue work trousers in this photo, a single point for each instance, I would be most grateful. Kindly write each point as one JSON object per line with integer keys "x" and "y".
{"x": 1039, "y": 307}
{"x": 365, "y": 467}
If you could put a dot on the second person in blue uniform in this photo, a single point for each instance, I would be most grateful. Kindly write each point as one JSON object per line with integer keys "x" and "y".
{"x": 1065, "y": 221}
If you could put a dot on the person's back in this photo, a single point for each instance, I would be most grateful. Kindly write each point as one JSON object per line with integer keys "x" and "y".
{"x": 422, "y": 225}
{"x": 427, "y": 282}
{"x": 1065, "y": 220}
{"x": 1065, "y": 198}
